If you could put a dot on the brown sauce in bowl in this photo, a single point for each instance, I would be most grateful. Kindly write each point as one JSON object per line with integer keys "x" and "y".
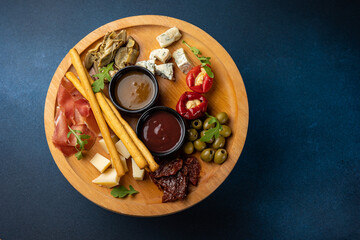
{"x": 134, "y": 90}
{"x": 161, "y": 132}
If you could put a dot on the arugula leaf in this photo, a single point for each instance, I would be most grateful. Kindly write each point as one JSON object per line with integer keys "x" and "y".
{"x": 98, "y": 85}
{"x": 208, "y": 71}
{"x": 102, "y": 76}
{"x": 202, "y": 59}
{"x": 193, "y": 49}
{"x": 121, "y": 191}
{"x": 212, "y": 131}
{"x": 79, "y": 141}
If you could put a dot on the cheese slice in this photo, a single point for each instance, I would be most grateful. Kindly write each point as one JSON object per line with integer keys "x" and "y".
{"x": 149, "y": 65}
{"x": 103, "y": 144}
{"x": 162, "y": 54}
{"x": 182, "y": 61}
{"x": 168, "y": 37}
{"x": 138, "y": 174}
{"x": 108, "y": 179}
{"x": 100, "y": 162}
{"x": 165, "y": 71}
{"x": 120, "y": 147}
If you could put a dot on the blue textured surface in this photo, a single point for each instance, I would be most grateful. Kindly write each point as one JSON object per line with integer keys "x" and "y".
{"x": 298, "y": 176}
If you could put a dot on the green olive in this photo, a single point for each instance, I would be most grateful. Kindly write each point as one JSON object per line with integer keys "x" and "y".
{"x": 188, "y": 148}
{"x": 206, "y": 124}
{"x": 197, "y": 124}
{"x": 202, "y": 133}
{"x": 220, "y": 156}
{"x": 199, "y": 145}
{"x": 192, "y": 134}
{"x": 222, "y": 117}
{"x": 225, "y": 131}
{"x": 207, "y": 155}
{"x": 219, "y": 142}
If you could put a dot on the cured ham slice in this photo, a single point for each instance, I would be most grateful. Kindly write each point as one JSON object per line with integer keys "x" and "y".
{"x": 72, "y": 110}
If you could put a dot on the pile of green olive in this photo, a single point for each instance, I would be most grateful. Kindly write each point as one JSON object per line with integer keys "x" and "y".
{"x": 212, "y": 149}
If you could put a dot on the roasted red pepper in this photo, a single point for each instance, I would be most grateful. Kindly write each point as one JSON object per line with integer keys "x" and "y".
{"x": 192, "y": 105}
{"x": 198, "y": 80}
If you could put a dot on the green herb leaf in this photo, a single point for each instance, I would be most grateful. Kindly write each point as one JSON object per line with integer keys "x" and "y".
{"x": 102, "y": 76}
{"x": 79, "y": 141}
{"x": 79, "y": 155}
{"x": 215, "y": 131}
{"x": 202, "y": 59}
{"x": 208, "y": 135}
{"x": 121, "y": 191}
{"x": 98, "y": 85}
{"x": 208, "y": 71}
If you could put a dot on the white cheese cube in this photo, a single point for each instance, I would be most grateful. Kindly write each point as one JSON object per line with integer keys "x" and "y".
{"x": 138, "y": 174}
{"x": 168, "y": 37}
{"x": 165, "y": 71}
{"x": 108, "y": 179}
{"x": 114, "y": 138}
{"x": 163, "y": 55}
{"x": 149, "y": 65}
{"x": 120, "y": 147}
{"x": 182, "y": 61}
{"x": 123, "y": 161}
{"x": 100, "y": 162}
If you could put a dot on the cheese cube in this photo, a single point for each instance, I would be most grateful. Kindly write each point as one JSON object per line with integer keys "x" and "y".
{"x": 149, "y": 65}
{"x": 168, "y": 37}
{"x": 163, "y": 55}
{"x": 182, "y": 61}
{"x": 100, "y": 162}
{"x": 108, "y": 179}
{"x": 138, "y": 174}
{"x": 165, "y": 71}
{"x": 103, "y": 144}
{"x": 123, "y": 161}
{"x": 120, "y": 147}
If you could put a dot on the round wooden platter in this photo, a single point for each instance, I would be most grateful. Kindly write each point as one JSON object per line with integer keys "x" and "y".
{"x": 228, "y": 94}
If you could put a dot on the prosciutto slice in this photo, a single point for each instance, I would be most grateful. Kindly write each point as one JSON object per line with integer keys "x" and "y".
{"x": 72, "y": 110}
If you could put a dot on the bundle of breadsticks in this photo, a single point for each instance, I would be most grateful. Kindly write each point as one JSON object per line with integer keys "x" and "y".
{"x": 105, "y": 112}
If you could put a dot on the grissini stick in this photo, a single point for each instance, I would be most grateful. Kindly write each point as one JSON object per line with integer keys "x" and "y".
{"x": 76, "y": 61}
{"x": 148, "y": 156}
{"x": 146, "y": 153}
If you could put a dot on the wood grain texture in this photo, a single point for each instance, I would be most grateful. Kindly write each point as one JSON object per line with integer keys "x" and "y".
{"x": 228, "y": 94}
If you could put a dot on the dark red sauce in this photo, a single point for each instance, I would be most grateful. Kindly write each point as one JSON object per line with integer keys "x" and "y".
{"x": 161, "y": 132}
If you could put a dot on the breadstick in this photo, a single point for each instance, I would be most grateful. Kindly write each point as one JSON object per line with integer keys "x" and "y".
{"x": 76, "y": 82}
{"x": 76, "y": 61}
{"x": 148, "y": 156}
{"x": 143, "y": 149}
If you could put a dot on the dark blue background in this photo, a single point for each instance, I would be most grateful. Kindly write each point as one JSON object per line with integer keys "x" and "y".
{"x": 299, "y": 174}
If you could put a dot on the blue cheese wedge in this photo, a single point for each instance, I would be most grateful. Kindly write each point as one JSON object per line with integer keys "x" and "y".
{"x": 162, "y": 54}
{"x": 138, "y": 174}
{"x": 168, "y": 37}
{"x": 108, "y": 179}
{"x": 182, "y": 61}
{"x": 149, "y": 65}
{"x": 100, "y": 162}
{"x": 165, "y": 71}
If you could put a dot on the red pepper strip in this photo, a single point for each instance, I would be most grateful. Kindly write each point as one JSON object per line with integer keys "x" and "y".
{"x": 206, "y": 84}
{"x": 194, "y": 112}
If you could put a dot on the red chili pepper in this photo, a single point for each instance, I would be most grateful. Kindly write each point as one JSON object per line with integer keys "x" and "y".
{"x": 192, "y": 105}
{"x": 198, "y": 80}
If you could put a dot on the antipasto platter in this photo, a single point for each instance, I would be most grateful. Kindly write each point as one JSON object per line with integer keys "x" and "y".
{"x": 146, "y": 115}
